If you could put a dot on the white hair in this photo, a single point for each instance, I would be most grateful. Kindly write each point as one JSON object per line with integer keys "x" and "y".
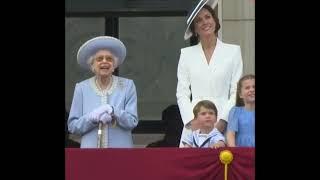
{"x": 91, "y": 59}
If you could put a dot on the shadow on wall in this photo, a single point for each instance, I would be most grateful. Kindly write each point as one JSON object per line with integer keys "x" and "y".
{"x": 173, "y": 122}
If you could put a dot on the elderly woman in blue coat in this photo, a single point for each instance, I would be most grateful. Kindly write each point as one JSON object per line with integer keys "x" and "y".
{"x": 104, "y": 103}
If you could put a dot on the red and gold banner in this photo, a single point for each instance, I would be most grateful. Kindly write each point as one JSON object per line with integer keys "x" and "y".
{"x": 158, "y": 164}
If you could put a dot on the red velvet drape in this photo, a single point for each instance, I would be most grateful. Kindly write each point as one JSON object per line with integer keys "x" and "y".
{"x": 157, "y": 164}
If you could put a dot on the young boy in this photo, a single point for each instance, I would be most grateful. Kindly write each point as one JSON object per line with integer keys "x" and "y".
{"x": 205, "y": 112}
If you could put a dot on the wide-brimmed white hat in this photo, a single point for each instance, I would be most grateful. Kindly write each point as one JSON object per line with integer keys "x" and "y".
{"x": 92, "y": 46}
{"x": 193, "y": 13}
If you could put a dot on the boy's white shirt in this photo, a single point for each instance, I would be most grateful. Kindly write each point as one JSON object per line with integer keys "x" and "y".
{"x": 200, "y": 137}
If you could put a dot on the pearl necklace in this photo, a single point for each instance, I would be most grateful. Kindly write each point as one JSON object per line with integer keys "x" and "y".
{"x": 103, "y": 91}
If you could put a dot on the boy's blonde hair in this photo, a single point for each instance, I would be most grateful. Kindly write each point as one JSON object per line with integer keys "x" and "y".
{"x": 206, "y": 104}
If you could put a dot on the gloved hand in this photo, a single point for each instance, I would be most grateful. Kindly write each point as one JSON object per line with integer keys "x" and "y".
{"x": 95, "y": 115}
{"x": 105, "y": 118}
{"x": 106, "y": 108}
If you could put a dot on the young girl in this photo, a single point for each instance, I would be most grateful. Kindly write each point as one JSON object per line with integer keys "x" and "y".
{"x": 241, "y": 124}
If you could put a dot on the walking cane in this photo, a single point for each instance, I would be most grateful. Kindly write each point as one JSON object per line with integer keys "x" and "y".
{"x": 99, "y": 135}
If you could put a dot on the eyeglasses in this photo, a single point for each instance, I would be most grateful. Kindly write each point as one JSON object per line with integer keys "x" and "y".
{"x": 101, "y": 58}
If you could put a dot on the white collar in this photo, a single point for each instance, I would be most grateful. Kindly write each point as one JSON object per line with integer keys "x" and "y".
{"x": 114, "y": 84}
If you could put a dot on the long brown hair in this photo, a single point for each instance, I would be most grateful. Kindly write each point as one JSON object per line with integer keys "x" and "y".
{"x": 239, "y": 101}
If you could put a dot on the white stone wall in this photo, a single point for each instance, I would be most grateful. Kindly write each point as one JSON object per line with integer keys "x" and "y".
{"x": 238, "y": 27}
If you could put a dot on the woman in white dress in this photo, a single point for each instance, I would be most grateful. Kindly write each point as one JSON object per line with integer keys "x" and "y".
{"x": 209, "y": 70}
